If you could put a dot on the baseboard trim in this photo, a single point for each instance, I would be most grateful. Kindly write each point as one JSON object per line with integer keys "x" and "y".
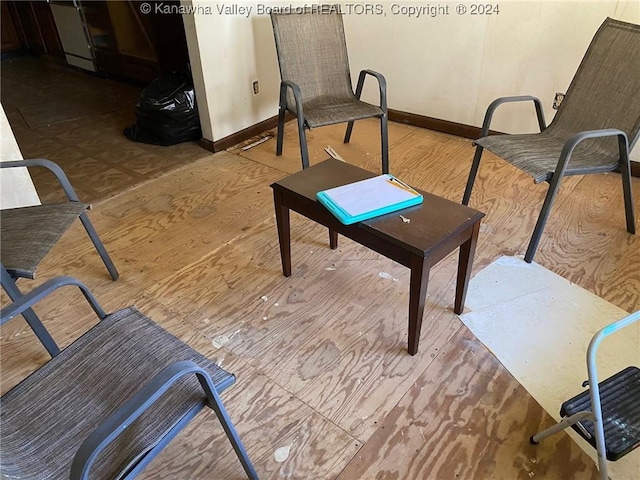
{"x": 436, "y": 124}
{"x": 413, "y": 119}
{"x": 207, "y": 144}
{"x": 239, "y": 137}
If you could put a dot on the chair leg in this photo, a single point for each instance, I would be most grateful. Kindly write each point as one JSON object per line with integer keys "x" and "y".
{"x": 304, "y": 151}
{"x": 347, "y": 134}
{"x": 14, "y": 293}
{"x": 566, "y": 422}
{"x": 93, "y": 235}
{"x": 232, "y": 434}
{"x": 542, "y": 218}
{"x": 625, "y": 170}
{"x": 280, "y": 135}
{"x": 472, "y": 175}
{"x": 384, "y": 134}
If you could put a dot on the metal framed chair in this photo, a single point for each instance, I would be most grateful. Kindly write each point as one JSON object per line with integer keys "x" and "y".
{"x": 316, "y": 81}
{"x": 107, "y": 404}
{"x": 28, "y": 234}
{"x": 596, "y": 125}
{"x": 608, "y": 414}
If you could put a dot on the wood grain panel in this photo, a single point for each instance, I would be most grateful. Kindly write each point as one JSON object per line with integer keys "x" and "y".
{"x": 370, "y": 368}
{"x": 244, "y": 269}
{"x": 589, "y": 221}
{"x": 186, "y": 218}
{"x": 267, "y": 418}
{"x": 458, "y": 418}
{"x": 431, "y": 161}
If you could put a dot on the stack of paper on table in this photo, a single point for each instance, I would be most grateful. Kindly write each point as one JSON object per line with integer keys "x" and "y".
{"x": 368, "y": 198}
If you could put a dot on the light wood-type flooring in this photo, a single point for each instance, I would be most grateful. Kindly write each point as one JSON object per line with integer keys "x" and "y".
{"x": 76, "y": 119}
{"x": 320, "y": 357}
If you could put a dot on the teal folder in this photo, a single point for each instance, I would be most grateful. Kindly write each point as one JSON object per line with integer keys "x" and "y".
{"x": 368, "y": 198}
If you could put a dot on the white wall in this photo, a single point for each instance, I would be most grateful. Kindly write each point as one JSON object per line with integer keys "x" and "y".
{"x": 232, "y": 52}
{"x": 451, "y": 67}
{"x": 448, "y": 66}
{"x": 16, "y": 187}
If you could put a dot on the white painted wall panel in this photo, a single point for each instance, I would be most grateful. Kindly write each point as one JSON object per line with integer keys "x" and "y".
{"x": 16, "y": 187}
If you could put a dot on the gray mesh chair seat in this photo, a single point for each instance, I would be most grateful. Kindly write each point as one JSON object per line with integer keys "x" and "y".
{"x": 316, "y": 81}
{"x": 322, "y": 111}
{"x": 596, "y": 125}
{"x": 537, "y": 154}
{"x": 48, "y": 418}
{"x": 29, "y": 233}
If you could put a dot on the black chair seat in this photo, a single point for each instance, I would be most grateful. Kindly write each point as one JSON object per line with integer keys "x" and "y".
{"x": 537, "y": 154}
{"x": 620, "y": 401}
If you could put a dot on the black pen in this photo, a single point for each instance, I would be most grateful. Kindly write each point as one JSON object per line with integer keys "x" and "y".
{"x": 400, "y": 184}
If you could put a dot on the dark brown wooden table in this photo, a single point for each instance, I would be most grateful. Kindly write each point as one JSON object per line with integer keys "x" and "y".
{"x": 437, "y": 227}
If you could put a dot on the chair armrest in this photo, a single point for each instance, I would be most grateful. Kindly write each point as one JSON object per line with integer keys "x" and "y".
{"x": 117, "y": 423}
{"x": 29, "y": 299}
{"x": 297, "y": 95}
{"x": 382, "y": 85}
{"x": 575, "y": 140}
{"x": 520, "y": 98}
{"x": 54, "y": 168}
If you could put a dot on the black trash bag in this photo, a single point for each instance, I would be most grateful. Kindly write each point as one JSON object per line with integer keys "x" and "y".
{"x": 166, "y": 112}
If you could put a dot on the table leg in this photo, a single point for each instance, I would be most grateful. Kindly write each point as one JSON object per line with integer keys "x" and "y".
{"x": 284, "y": 232}
{"x": 333, "y": 239}
{"x": 417, "y": 296}
{"x": 465, "y": 262}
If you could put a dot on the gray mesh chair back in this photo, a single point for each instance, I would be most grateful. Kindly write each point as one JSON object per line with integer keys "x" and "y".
{"x": 312, "y": 53}
{"x": 596, "y": 125}
{"x": 106, "y": 405}
{"x": 316, "y": 81}
{"x": 604, "y": 93}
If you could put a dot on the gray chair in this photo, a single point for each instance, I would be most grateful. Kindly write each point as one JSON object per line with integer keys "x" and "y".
{"x": 316, "y": 81}
{"x": 28, "y": 234}
{"x": 106, "y": 405}
{"x": 596, "y": 125}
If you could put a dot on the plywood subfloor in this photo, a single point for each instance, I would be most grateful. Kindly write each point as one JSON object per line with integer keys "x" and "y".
{"x": 321, "y": 356}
